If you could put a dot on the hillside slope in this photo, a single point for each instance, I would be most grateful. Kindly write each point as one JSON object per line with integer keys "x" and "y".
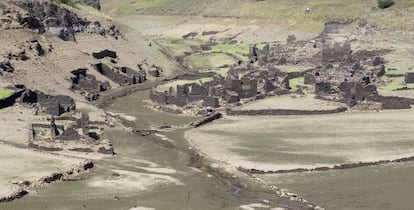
{"x": 51, "y": 71}
{"x": 282, "y": 11}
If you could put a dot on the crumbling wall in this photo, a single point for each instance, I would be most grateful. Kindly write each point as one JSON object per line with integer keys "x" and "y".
{"x": 105, "y": 54}
{"x": 208, "y": 119}
{"x": 118, "y": 78}
{"x": 54, "y": 105}
{"x": 283, "y": 112}
{"x": 355, "y": 91}
{"x": 391, "y": 102}
{"x": 122, "y": 75}
{"x": 87, "y": 84}
{"x": 409, "y": 77}
{"x": 11, "y": 100}
{"x": 336, "y": 52}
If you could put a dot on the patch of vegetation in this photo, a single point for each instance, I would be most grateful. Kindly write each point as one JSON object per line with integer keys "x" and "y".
{"x": 206, "y": 79}
{"x": 67, "y": 2}
{"x": 383, "y": 4}
{"x": 223, "y": 71}
{"x": 260, "y": 46}
{"x": 239, "y": 51}
{"x": 392, "y": 86}
{"x": 208, "y": 61}
{"x": 395, "y": 86}
{"x": 178, "y": 46}
{"x": 296, "y": 81}
{"x": 394, "y": 72}
{"x": 5, "y": 93}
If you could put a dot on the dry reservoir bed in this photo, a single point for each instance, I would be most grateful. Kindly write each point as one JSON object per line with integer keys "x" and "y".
{"x": 368, "y": 188}
{"x": 290, "y": 142}
{"x": 19, "y": 165}
{"x": 290, "y": 102}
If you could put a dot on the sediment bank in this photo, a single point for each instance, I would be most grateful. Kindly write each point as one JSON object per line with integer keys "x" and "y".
{"x": 262, "y": 112}
{"x": 327, "y": 168}
{"x": 207, "y": 120}
{"x": 22, "y": 190}
{"x": 202, "y": 161}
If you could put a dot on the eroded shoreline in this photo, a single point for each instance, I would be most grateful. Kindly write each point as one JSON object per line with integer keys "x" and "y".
{"x": 24, "y": 186}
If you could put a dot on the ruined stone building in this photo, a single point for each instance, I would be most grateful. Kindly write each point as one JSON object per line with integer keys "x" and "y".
{"x": 87, "y": 84}
{"x": 72, "y": 132}
{"x": 121, "y": 75}
{"x": 240, "y": 83}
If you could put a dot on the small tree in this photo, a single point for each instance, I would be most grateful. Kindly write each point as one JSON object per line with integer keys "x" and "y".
{"x": 383, "y": 4}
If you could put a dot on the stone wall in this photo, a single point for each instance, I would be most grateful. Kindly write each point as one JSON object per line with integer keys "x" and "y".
{"x": 283, "y": 112}
{"x": 105, "y": 54}
{"x": 121, "y": 79}
{"x": 207, "y": 119}
{"x": 355, "y": 91}
{"x": 54, "y": 105}
{"x": 11, "y": 100}
{"x": 409, "y": 77}
{"x": 336, "y": 52}
{"x": 87, "y": 84}
{"x": 391, "y": 102}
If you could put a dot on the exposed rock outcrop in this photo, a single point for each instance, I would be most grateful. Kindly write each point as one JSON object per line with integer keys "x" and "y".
{"x": 44, "y": 16}
{"x": 6, "y": 66}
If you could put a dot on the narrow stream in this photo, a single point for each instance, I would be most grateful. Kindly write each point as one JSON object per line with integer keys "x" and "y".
{"x": 146, "y": 174}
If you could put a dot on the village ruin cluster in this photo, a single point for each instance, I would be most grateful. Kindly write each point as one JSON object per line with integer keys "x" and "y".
{"x": 73, "y": 133}
{"x": 66, "y": 130}
{"x": 218, "y": 104}
{"x": 339, "y": 74}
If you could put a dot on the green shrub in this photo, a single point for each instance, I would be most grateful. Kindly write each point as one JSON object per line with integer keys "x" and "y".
{"x": 383, "y": 4}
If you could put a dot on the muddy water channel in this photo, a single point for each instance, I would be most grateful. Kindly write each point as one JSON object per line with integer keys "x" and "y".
{"x": 146, "y": 173}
